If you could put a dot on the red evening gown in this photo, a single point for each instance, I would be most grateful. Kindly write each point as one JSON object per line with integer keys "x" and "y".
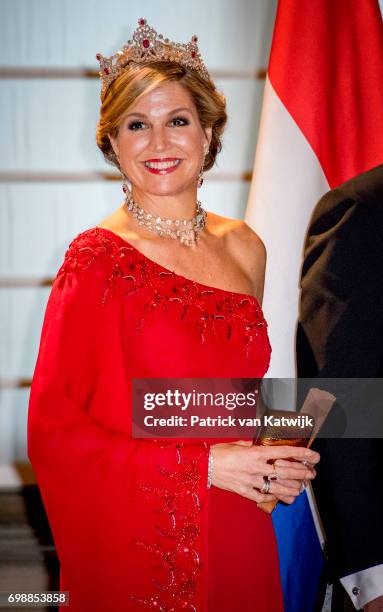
{"x": 134, "y": 523}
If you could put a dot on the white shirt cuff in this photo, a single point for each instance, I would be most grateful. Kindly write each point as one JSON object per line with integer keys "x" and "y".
{"x": 364, "y": 586}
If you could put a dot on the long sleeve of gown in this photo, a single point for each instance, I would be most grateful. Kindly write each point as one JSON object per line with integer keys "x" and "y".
{"x": 128, "y": 516}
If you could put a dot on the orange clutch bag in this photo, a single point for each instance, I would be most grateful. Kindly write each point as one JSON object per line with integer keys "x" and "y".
{"x": 317, "y": 405}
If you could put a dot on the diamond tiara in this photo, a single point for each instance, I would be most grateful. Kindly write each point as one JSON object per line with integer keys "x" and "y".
{"x": 145, "y": 47}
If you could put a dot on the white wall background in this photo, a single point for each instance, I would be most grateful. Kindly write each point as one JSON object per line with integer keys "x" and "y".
{"x": 48, "y": 125}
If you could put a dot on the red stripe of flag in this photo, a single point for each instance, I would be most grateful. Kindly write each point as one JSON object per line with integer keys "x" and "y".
{"x": 326, "y": 66}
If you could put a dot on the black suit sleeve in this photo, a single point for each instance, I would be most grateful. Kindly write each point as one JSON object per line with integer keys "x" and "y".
{"x": 340, "y": 335}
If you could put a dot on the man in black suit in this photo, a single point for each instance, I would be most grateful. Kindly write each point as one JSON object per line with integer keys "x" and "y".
{"x": 340, "y": 335}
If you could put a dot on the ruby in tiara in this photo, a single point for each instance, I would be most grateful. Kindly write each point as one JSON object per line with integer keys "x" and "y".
{"x": 147, "y": 46}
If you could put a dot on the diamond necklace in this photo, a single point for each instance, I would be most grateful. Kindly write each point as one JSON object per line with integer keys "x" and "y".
{"x": 187, "y": 231}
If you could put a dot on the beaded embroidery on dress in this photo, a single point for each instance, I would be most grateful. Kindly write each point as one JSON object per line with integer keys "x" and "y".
{"x": 131, "y": 270}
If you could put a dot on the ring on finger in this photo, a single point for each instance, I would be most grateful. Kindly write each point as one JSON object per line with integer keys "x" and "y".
{"x": 266, "y": 485}
{"x": 274, "y": 475}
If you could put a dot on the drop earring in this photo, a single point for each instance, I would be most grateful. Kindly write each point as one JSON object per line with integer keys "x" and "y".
{"x": 200, "y": 176}
{"x": 127, "y": 187}
{"x": 126, "y": 184}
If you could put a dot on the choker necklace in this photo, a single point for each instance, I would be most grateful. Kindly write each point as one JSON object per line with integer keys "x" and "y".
{"x": 187, "y": 231}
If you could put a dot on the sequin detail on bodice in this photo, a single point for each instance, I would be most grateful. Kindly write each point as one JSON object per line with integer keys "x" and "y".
{"x": 129, "y": 270}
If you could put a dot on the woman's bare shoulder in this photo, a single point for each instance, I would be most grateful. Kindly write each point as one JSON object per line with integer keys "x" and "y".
{"x": 245, "y": 247}
{"x": 239, "y": 236}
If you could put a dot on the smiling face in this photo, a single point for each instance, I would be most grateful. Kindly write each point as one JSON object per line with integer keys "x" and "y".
{"x": 161, "y": 144}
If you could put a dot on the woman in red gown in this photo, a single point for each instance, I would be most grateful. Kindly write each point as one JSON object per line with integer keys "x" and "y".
{"x": 135, "y": 524}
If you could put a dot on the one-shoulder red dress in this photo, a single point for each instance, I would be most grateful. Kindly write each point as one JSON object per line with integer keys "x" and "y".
{"x": 134, "y": 523}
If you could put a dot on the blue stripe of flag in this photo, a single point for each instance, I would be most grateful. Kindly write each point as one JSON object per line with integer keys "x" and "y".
{"x": 300, "y": 554}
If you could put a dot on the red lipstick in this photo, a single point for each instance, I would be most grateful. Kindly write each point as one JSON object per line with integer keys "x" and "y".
{"x": 164, "y": 165}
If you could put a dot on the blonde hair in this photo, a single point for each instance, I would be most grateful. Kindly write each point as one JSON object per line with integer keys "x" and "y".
{"x": 140, "y": 79}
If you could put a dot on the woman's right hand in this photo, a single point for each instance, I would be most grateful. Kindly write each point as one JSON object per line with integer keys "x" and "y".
{"x": 241, "y": 469}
